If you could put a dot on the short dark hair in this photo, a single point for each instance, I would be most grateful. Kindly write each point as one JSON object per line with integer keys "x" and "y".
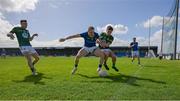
{"x": 90, "y": 28}
{"x": 23, "y": 21}
{"x": 109, "y": 28}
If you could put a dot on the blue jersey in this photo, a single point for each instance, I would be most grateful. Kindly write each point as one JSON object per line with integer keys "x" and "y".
{"x": 89, "y": 41}
{"x": 134, "y": 46}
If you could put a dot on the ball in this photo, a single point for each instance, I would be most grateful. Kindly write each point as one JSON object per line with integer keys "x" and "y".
{"x": 103, "y": 73}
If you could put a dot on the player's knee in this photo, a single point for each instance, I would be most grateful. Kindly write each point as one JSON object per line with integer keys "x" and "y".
{"x": 77, "y": 57}
{"x": 37, "y": 58}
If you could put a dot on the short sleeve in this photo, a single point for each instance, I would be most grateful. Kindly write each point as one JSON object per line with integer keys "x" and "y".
{"x": 101, "y": 35}
{"x": 111, "y": 40}
{"x": 83, "y": 34}
{"x": 13, "y": 30}
{"x": 131, "y": 44}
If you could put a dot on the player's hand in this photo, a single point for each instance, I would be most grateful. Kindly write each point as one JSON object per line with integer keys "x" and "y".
{"x": 35, "y": 35}
{"x": 11, "y": 36}
{"x": 62, "y": 40}
{"x": 131, "y": 46}
{"x": 103, "y": 44}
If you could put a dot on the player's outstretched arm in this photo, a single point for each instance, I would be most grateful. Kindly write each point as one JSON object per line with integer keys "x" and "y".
{"x": 69, "y": 37}
{"x": 32, "y": 37}
{"x": 11, "y": 36}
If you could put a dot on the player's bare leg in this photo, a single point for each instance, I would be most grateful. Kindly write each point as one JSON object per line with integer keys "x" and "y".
{"x": 133, "y": 58}
{"x": 106, "y": 54}
{"x": 100, "y": 54}
{"x": 30, "y": 64}
{"x": 113, "y": 56}
{"x": 80, "y": 54}
{"x": 36, "y": 58}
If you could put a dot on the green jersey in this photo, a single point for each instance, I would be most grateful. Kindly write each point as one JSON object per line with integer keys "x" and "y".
{"x": 106, "y": 38}
{"x": 22, "y": 36}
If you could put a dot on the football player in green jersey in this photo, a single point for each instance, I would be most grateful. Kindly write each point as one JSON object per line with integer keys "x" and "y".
{"x": 107, "y": 40}
{"x": 24, "y": 38}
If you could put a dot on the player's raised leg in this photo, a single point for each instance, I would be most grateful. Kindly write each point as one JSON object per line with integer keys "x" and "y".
{"x": 100, "y": 54}
{"x": 82, "y": 52}
{"x": 36, "y": 58}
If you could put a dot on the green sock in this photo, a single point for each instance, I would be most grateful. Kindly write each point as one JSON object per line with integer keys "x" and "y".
{"x": 114, "y": 65}
{"x": 76, "y": 65}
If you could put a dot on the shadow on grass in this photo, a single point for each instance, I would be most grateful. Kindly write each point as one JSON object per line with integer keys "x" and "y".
{"x": 130, "y": 80}
{"x": 154, "y": 66}
{"x": 34, "y": 79}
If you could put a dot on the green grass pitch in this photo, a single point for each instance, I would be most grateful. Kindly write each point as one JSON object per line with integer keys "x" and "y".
{"x": 155, "y": 80}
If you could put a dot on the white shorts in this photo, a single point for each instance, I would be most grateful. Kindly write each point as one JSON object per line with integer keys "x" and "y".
{"x": 27, "y": 50}
{"x": 135, "y": 53}
{"x": 90, "y": 49}
{"x": 106, "y": 50}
